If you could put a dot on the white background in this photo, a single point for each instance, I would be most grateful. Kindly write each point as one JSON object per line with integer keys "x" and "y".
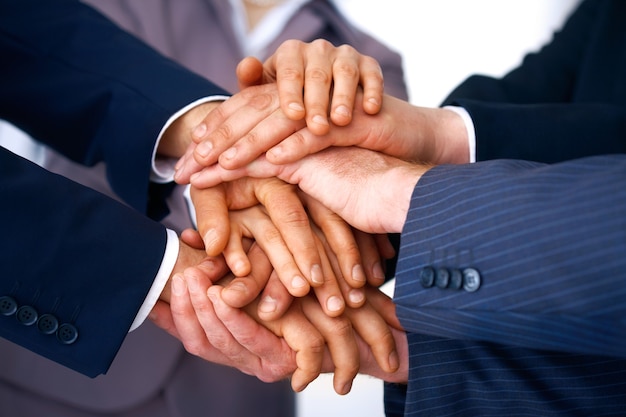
{"x": 442, "y": 42}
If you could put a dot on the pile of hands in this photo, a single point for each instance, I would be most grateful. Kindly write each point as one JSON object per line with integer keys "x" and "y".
{"x": 296, "y": 181}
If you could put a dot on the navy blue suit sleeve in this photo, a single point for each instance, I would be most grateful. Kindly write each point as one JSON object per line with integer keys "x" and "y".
{"x": 74, "y": 80}
{"x": 74, "y": 256}
{"x": 547, "y": 240}
{"x": 570, "y": 90}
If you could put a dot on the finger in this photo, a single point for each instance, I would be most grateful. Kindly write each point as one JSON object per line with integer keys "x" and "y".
{"x": 318, "y": 78}
{"x": 188, "y": 329}
{"x": 283, "y": 204}
{"x": 276, "y": 360}
{"x": 161, "y": 315}
{"x": 192, "y": 238}
{"x": 341, "y": 240}
{"x": 375, "y": 331}
{"x": 307, "y": 342}
{"x": 231, "y": 120}
{"x": 373, "y": 84}
{"x": 275, "y": 299}
{"x": 329, "y": 294}
{"x": 354, "y": 297}
{"x": 288, "y": 67}
{"x": 345, "y": 75}
{"x": 298, "y": 145}
{"x": 212, "y": 220}
{"x": 384, "y": 306}
{"x": 259, "y": 227}
{"x": 267, "y": 133}
{"x": 214, "y": 331}
{"x": 186, "y": 165}
{"x": 234, "y": 252}
{"x": 243, "y": 290}
{"x": 339, "y": 336}
{"x": 249, "y": 72}
{"x": 370, "y": 255}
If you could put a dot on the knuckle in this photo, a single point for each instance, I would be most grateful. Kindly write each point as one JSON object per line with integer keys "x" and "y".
{"x": 342, "y": 327}
{"x": 347, "y": 70}
{"x": 318, "y": 74}
{"x": 194, "y": 347}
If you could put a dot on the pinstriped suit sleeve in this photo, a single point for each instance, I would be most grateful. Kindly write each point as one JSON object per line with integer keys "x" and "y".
{"x": 548, "y": 240}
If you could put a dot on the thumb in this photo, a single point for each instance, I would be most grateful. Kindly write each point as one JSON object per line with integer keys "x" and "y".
{"x": 249, "y": 72}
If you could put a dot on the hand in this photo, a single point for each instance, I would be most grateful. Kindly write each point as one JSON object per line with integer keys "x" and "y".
{"x": 239, "y": 341}
{"x": 361, "y": 341}
{"x": 317, "y": 67}
{"x": 401, "y": 130}
{"x": 288, "y": 239}
{"x": 321, "y": 70}
{"x": 190, "y": 253}
{"x": 371, "y": 191}
{"x": 177, "y": 137}
{"x": 257, "y": 351}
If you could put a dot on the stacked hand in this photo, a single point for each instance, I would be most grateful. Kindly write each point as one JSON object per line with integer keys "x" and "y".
{"x": 355, "y": 175}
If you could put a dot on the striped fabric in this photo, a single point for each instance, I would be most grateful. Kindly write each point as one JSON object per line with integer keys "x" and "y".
{"x": 549, "y": 242}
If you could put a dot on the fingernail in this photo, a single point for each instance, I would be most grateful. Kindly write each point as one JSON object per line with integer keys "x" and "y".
{"x": 276, "y": 151}
{"x": 295, "y": 107}
{"x": 178, "y": 285}
{"x": 237, "y": 286}
{"x": 334, "y": 303}
{"x": 373, "y": 101}
{"x": 298, "y": 282}
{"x": 394, "y": 361}
{"x": 357, "y": 273}
{"x": 210, "y": 237}
{"x": 320, "y": 120}
{"x": 193, "y": 285}
{"x": 199, "y": 131}
{"x": 178, "y": 173}
{"x": 378, "y": 272}
{"x": 342, "y": 111}
{"x": 204, "y": 148}
{"x": 153, "y": 316}
{"x": 347, "y": 388}
{"x": 239, "y": 268}
{"x": 316, "y": 274}
{"x": 356, "y": 296}
{"x": 267, "y": 305}
{"x": 230, "y": 153}
{"x": 212, "y": 295}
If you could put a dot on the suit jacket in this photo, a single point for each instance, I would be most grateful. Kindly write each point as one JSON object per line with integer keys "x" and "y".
{"x": 194, "y": 33}
{"x": 115, "y": 96}
{"x": 509, "y": 279}
{"x": 198, "y": 32}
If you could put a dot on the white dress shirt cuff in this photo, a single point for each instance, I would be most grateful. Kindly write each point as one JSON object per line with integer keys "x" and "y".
{"x": 167, "y": 265}
{"x": 190, "y": 206}
{"x": 163, "y": 168}
{"x": 469, "y": 126}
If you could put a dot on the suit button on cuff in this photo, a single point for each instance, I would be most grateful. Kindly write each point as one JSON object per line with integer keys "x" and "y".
{"x": 26, "y": 315}
{"x": 442, "y": 278}
{"x": 456, "y": 279}
{"x": 67, "y": 334}
{"x": 47, "y": 324}
{"x": 471, "y": 279}
{"x": 427, "y": 277}
{"x": 8, "y": 305}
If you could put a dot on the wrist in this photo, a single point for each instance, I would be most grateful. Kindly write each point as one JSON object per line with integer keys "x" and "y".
{"x": 403, "y": 181}
{"x": 177, "y": 137}
{"x": 452, "y": 135}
